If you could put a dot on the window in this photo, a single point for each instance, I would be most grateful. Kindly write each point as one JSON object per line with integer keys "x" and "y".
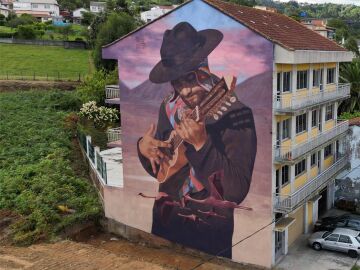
{"x": 345, "y": 239}
{"x": 313, "y": 160}
{"x": 285, "y": 175}
{"x": 302, "y": 79}
{"x": 330, "y": 75}
{"x": 286, "y": 81}
{"x": 283, "y": 81}
{"x": 34, "y": 5}
{"x": 332, "y": 237}
{"x": 329, "y": 112}
{"x": 314, "y": 118}
{"x": 300, "y": 167}
{"x": 316, "y": 78}
{"x": 328, "y": 151}
{"x": 286, "y": 129}
{"x": 278, "y": 88}
{"x": 301, "y": 123}
{"x": 47, "y": 6}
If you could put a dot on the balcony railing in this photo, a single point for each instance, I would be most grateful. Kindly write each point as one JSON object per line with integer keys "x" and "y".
{"x": 285, "y": 203}
{"x": 114, "y": 134}
{"x": 112, "y": 91}
{"x": 291, "y": 103}
{"x": 288, "y": 153}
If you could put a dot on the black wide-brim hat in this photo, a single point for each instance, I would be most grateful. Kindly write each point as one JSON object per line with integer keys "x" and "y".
{"x": 182, "y": 50}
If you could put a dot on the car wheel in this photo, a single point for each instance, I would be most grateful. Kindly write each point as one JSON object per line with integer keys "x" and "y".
{"x": 317, "y": 246}
{"x": 352, "y": 253}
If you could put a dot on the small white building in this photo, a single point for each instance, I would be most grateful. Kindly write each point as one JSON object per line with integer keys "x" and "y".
{"x": 4, "y": 11}
{"x": 97, "y": 7}
{"x": 77, "y": 14}
{"x": 41, "y": 9}
{"x": 155, "y": 12}
{"x": 7, "y": 3}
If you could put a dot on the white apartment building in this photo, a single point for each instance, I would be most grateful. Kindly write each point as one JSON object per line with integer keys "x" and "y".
{"x": 155, "y": 12}
{"x": 97, "y": 7}
{"x": 41, "y": 9}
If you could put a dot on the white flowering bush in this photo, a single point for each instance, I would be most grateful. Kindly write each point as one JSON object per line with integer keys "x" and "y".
{"x": 100, "y": 115}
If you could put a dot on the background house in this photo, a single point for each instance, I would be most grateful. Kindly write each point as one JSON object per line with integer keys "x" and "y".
{"x": 155, "y": 12}
{"x": 4, "y": 10}
{"x": 77, "y": 14}
{"x": 40, "y": 9}
{"x": 97, "y": 7}
{"x": 7, "y": 3}
{"x": 319, "y": 26}
{"x": 288, "y": 76}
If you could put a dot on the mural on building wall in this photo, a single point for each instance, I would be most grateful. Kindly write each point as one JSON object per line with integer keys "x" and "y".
{"x": 196, "y": 122}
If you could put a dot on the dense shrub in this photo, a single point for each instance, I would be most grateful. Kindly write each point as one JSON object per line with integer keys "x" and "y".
{"x": 26, "y": 32}
{"x": 7, "y": 35}
{"x": 66, "y": 101}
{"x": 37, "y": 168}
{"x": 93, "y": 88}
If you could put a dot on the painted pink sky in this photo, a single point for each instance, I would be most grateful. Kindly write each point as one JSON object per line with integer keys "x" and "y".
{"x": 235, "y": 55}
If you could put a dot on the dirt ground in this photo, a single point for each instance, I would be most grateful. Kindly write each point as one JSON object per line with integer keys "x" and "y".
{"x": 97, "y": 250}
{"x": 105, "y": 252}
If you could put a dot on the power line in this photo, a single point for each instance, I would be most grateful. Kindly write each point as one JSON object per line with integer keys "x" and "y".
{"x": 255, "y": 232}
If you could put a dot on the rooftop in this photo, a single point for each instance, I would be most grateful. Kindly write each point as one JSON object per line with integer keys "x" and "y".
{"x": 276, "y": 27}
{"x": 39, "y": 1}
{"x": 97, "y": 3}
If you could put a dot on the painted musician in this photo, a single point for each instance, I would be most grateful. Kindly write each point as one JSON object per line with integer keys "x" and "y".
{"x": 195, "y": 206}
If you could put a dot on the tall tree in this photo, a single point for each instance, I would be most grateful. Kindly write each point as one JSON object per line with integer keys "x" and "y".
{"x": 350, "y": 73}
{"x": 116, "y": 25}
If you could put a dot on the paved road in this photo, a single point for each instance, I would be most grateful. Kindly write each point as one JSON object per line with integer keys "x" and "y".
{"x": 303, "y": 257}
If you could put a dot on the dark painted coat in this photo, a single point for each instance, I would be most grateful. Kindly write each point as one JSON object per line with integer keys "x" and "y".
{"x": 224, "y": 166}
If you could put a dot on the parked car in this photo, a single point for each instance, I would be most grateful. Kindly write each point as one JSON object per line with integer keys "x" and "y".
{"x": 343, "y": 240}
{"x": 333, "y": 222}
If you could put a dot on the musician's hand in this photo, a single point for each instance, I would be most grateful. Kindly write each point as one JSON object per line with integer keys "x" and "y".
{"x": 148, "y": 147}
{"x": 192, "y": 132}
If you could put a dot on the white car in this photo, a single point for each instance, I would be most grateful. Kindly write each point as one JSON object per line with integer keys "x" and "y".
{"x": 343, "y": 240}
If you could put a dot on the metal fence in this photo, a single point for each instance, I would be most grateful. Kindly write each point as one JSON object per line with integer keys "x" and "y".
{"x": 93, "y": 154}
{"x": 31, "y": 75}
{"x": 114, "y": 134}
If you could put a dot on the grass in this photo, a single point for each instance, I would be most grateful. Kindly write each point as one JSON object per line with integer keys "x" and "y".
{"x": 5, "y": 29}
{"x": 47, "y": 62}
{"x": 40, "y": 169}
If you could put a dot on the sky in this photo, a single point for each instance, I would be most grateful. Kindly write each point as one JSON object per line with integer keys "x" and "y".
{"x": 354, "y": 2}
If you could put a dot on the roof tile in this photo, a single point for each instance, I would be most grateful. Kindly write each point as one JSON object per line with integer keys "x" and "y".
{"x": 276, "y": 27}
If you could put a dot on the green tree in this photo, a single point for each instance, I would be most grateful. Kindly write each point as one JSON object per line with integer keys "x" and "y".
{"x": 22, "y": 20}
{"x": 26, "y": 32}
{"x": 350, "y": 73}
{"x": 66, "y": 31}
{"x": 352, "y": 45}
{"x": 2, "y": 19}
{"x": 116, "y": 25}
{"x": 87, "y": 19}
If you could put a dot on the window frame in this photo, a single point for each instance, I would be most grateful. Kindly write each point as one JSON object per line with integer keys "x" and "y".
{"x": 328, "y": 151}
{"x": 302, "y": 169}
{"x": 284, "y": 82}
{"x": 285, "y": 181}
{"x": 302, "y": 79}
{"x": 330, "y": 78}
{"x": 329, "y": 112}
{"x": 313, "y": 160}
{"x": 285, "y": 131}
{"x": 314, "y": 120}
{"x": 301, "y": 123}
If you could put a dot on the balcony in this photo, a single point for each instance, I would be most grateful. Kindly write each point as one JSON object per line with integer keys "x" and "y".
{"x": 286, "y": 203}
{"x": 288, "y": 103}
{"x": 114, "y": 137}
{"x": 290, "y": 153}
{"x": 112, "y": 94}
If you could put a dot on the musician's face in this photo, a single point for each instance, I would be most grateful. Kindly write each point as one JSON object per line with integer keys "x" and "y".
{"x": 191, "y": 87}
